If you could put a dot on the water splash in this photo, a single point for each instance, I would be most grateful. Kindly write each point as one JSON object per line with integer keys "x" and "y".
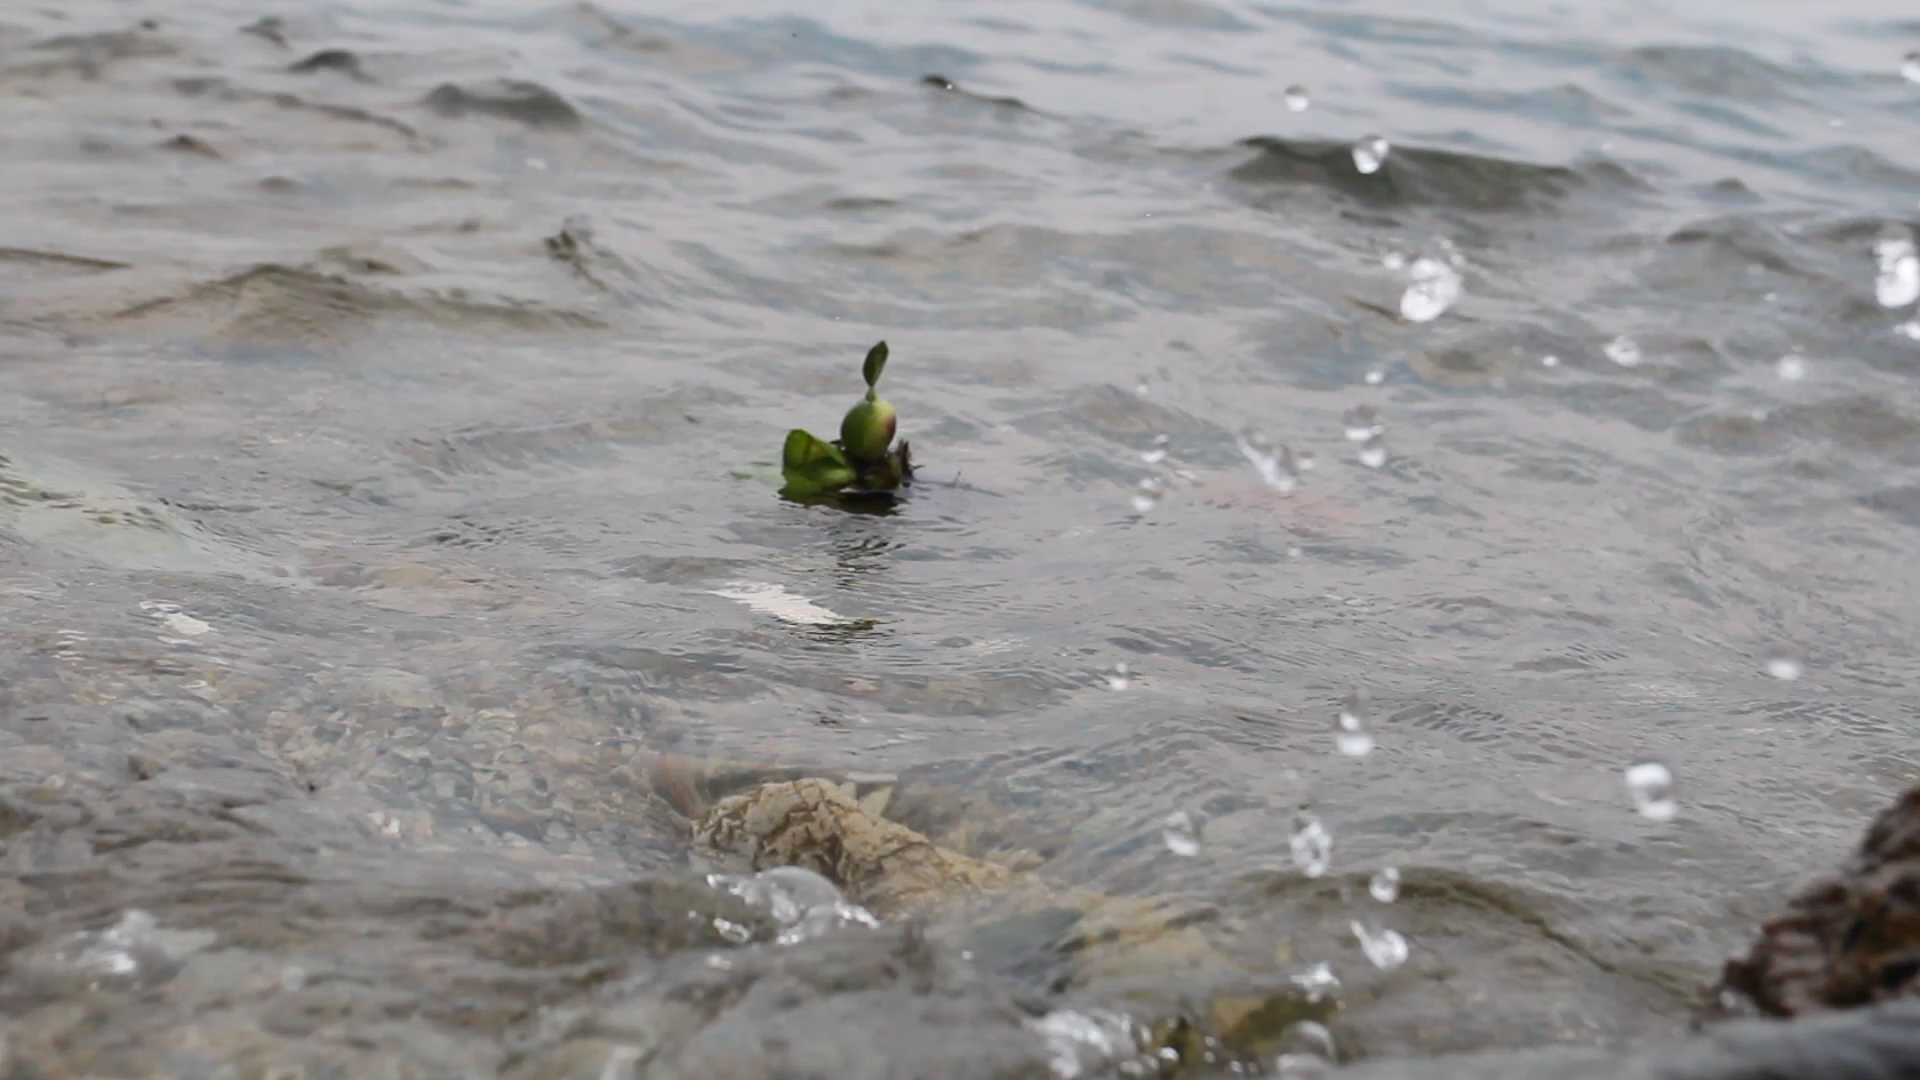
{"x": 1549, "y": 360}
{"x": 1118, "y": 679}
{"x": 1317, "y": 982}
{"x": 804, "y": 904}
{"x": 1651, "y": 785}
{"x": 1277, "y": 466}
{"x": 1375, "y": 377}
{"x": 1351, "y": 736}
{"x": 1624, "y": 351}
{"x": 1898, "y": 283}
{"x": 1181, "y": 833}
{"x": 1910, "y": 67}
{"x": 1086, "y": 1043}
{"x": 1147, "y": 494}
{"x": 1385, "y": 948}
{"x": 1158, "y": 453}
{"x": 1296, "y": 99}
{"x": 1312, "y": 846}
{"x": 1436, "y": 287}
{"x": 1306, "y": 1050}
{"x": 1370, "y": 153}
{"x": 1785, "y": 665}
{"x": 1393, "y": 260}
{"x": 1385, "y": 885}
{"x": 1791, "y": 368}
{"x": 1362, "y": 422}
{"x": 1373, "y": 452}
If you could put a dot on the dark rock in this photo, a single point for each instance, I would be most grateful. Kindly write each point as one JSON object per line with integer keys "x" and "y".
{"x": 528, "y": 103}
{"x": 1848, "y": 940}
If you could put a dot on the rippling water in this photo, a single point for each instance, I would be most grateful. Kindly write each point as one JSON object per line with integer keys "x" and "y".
{"x": 389, "y": 390}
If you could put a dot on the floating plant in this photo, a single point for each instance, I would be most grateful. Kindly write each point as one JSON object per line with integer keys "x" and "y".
{"x": 863, "y": 462}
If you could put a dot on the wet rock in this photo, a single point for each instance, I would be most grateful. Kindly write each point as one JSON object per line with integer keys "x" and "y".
{"x": 510, "y": 99}
{"x": 1848, "y": 940}
{"x": 818, "y": 825}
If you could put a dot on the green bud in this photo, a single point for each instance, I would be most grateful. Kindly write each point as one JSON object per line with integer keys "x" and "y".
{"x": 868, "y": 429}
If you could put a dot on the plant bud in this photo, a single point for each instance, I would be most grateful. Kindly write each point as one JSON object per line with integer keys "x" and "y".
{"x": 868, "y": 429}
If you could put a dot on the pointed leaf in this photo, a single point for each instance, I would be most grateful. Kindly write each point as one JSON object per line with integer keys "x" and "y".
{"x": 876, "y": 363}
{"x": 813, "y": 466}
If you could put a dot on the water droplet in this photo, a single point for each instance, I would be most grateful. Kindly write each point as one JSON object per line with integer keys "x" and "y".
{"x": 1393, "y": 260}
{"x": 1385, "y": 948}
{"x": 1624, "y": 351}
{"x": 1319, "y": 982}
{"x": 1297, "y": 99}
{"x": 1370, "y": 153}
{"x": 1181, "y": 834}
{"x": 1119, "y": 680}
{"x": 1294, "y": 552}
{"x": 1651, "y": 785}
{"x": 1146, "y": 494}
{"x": 1436, "y": 287}
{"x": 1784, "y": 665}
{"x": 1898, "y": 283}
{"x": 1376, "y": 377}
{"x": 1791, "y": 368}
{"x": 1373, "y": 452}
{"x": 1362, "y": 422}
{"x": 1140, "y": 387}
{"x": 1910, "y": 328}
{"x": 1385, "y": 885}
{"x": 719, "y": 963}
{"x": 1549, "y": 360}
{"x": 1352, "y": 737}
{"x": 1277, "y": 466}
{"x": 1910, "y": 67}
{"x": 1159, "y": 452}
{"x": 1312, "y": 846}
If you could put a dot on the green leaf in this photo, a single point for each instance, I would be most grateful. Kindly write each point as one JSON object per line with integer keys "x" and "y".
{"x": 876, "y": 363}
{"x": 813, "y": 466}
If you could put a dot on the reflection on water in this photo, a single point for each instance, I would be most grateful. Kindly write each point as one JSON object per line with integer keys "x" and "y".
{"x": 392, "y": 566}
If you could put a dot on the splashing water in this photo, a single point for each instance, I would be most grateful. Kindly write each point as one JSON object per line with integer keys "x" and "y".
{"x": 1651, "y": 785}
{"x": 1385, "y": 885}
{"x": 1369, "y": 154}
{"x": 803, "y": 903}
{"x": 1375, "y": 377}
{"x": 1362, "y": 422}
{"x": 1306, "y": 1050}
{"x": 1085, "y": 1043}
{"x": 1317, "y": 982}
{"x": 1393, "y": 260}
{"x": 1119, "y": 679}
{"x": 1624, "y": 351}
{"x": 1910, "y": 329}
{"x": 1549, "y": 361}
{"x": 1278, "y": 468}
{"x": 1385, "y": 948}
{"x": 1791, "y": 368}
{"x": 1146, "y": 494}
{"x": 1352, "y": 737}
{"x": 1296, "y": 99}
{"x": 1910, "y": 67}
{"x": 1898, "y": 283}
{"x": 1784, "y": 665}
{"x": 1312, "y": 846}
{"x": 1181, "y": 833}
{"x": 1159, "y": 452}
{"x": 1373, "y": 453}
{"x": 1436, "y": 287}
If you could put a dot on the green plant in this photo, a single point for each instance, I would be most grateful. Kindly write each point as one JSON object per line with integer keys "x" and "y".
{"x": 863, "y": 461}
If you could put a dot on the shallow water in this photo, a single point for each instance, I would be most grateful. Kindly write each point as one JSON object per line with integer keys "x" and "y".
{"x": 385, "y": 469}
